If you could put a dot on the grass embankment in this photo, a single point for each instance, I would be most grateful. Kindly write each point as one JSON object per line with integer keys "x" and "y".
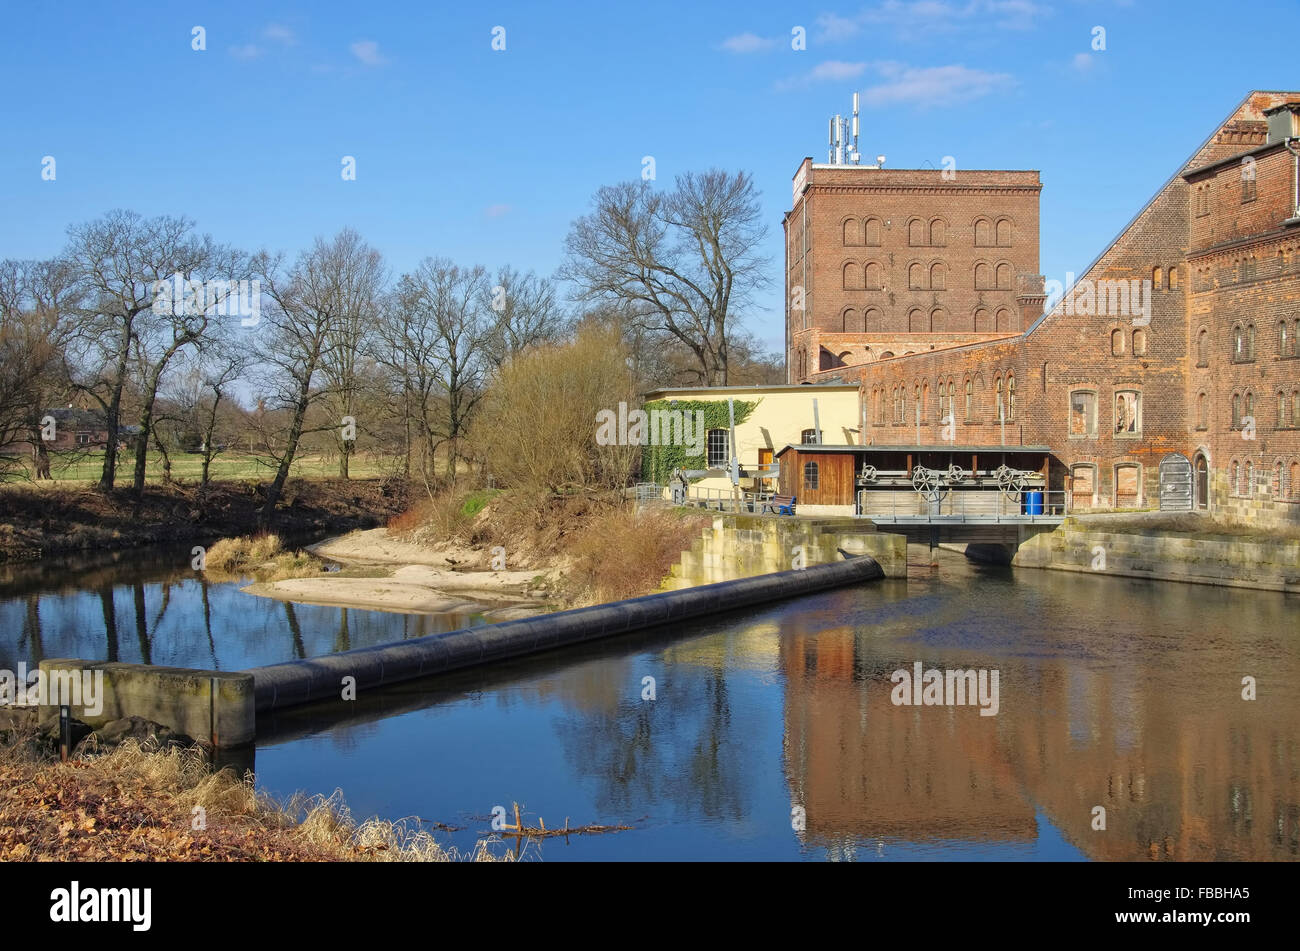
{"x": 38, "y": 520}
{"x": 85, "y": 467}
{"x": 593, "y": 547}
{"x": 137, "y": 803}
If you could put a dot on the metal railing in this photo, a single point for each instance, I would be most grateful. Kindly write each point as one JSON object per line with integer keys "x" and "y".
{"x": 962, "y": 505}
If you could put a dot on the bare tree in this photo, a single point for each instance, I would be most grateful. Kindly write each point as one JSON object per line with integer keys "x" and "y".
{"x": 526, "y": 312}
{"x": 119, "y": 261}
{"x": 685, "y": 261}
{"x": 35, "y": 300}
{"x": 310, "y": 304}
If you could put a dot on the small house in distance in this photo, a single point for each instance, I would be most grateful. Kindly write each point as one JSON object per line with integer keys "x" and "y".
{"x": 767, "y": 418}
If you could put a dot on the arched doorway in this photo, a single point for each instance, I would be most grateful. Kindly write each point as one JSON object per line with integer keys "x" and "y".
{"x": 1202, "y": 481}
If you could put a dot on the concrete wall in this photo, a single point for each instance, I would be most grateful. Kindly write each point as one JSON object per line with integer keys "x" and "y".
{"x": 177, "y": 697}
{"x": 1233, "y": 561}
{"x": 738, "y": 546}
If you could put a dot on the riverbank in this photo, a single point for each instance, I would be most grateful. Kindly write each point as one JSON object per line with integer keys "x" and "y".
{"x": 414, "y": 578}
{"x": 142, "y": 803}
{"x": 38, "y": 520}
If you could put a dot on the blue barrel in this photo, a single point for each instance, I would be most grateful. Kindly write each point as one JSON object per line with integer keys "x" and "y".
{"x": 1033, "y": 503}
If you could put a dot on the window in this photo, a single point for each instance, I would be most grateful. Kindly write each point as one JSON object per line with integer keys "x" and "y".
{"x": 1286, "y": 339}
{"x": 872, "y": 228}
{"x": 1004, "y": 233}
{"x": 936, "y": 232}
{"x": 1157, "y": 279}
{"x": 1011, "y": 396}
{"x": 1004, "y": 277}
{"x": 1249, "y": 487}
{"x": 1248, "y": 190}
{"x": 1083, "y": 413}
{"x": 852, "y": 232}
{"x": 1128, "y": 413}
{"x": 1295, "y": 407}
{"x": 937, "y": 278}
{"x": 1250, "y": 408}
{"x": 1173, "y": 278}
{"x": 1083, "y": 482}
{"x": 1203, "y": 348}
{"x": 1236, "y": 410}
{"x": 1139, "y": 343}
{"x": 1128, "y": 485}
{"x": 1293, "y": 485}
{"x": 83, "y": 439}
{"x": 719, "y": 450}
{"x": 1283, "y": 410}
{"x": 873, "y": 281}
{"x": 915, "y": 277}
{"x": 1117, "y": 343}
{"x": 916, "y": 233}
{"x": 1243, "y": 343}
{"x": 983, "y": 233}
{"x": 970, "y": 398}
{"x": 1234, "y": 478}
{"x": 808, "y": 437}
{"x": 997, "y": 391}
{"x": 810, "y": 476}
{"x": 983, "y": 277}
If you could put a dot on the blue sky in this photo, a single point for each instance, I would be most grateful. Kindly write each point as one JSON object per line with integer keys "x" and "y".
{"x": 487, "y": 156}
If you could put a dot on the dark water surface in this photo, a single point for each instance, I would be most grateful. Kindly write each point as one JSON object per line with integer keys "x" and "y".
{"x": 1118, "y": 693}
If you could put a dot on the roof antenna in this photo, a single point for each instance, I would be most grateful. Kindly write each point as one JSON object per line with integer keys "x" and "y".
{"x": 842, "y": 140}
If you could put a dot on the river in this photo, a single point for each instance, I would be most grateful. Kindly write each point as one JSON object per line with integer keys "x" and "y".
{"x": 771, "y": 733}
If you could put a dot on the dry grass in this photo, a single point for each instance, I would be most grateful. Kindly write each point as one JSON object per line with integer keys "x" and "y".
{"x": 141, "y": 804}
{"x": 597, "y": 544}
{"x": 232, "y": 555}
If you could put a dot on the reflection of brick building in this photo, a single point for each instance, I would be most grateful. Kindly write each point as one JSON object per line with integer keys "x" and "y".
{"x": 1109, "y": 390}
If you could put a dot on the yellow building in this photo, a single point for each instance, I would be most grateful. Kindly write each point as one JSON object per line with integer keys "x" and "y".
{"x": 777, "y": 416}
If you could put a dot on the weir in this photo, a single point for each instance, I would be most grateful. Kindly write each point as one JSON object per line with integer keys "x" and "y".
{"x": 223, "y": 707}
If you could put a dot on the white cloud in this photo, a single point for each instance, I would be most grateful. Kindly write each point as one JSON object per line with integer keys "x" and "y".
{"x": 246, "y": 51}
{"x": 933, "y": 85}
{"x": 832, "y": 70}
{"x": 280, "y": 34}
{"x": 917, "y": 18}
{"x": 747, "y": 43}
{"x": 1082, "y": 62}
{"x": 367, "y": 51}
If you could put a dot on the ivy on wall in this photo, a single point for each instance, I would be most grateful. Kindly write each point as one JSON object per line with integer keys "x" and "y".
{"x": 658, "y": 462}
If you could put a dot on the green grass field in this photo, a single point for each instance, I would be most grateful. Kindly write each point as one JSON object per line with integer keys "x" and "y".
{"x": 86, "y": 467}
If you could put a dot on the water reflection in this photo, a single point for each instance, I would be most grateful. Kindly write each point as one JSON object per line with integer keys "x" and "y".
{"x": 1118, "y": 693}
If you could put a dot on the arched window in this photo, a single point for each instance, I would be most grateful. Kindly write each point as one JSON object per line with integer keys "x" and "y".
{"x": 997, "y": 395}
{"x": 936, "y": 232}
{"x": 1117, "y": 343}
{"x": 1011, "y": 396}
{"x": 872, "y": 235}
{"x": 970, "y": 399}
{"x": 1249, "y": 488}
{"x": 874, "y": 276}
{"x": 872, "y": 320}
{"x": 1004, "y": 233}
{"x": 983, "y": 233}
{"x": 938, "y": 319}
{"x": 1250, "y": 341}
{"x": 943, "y": 395}
{"x": 982, "y": 320}
{"x": 1173, "y": 278}
{"x": 916, "y": 320}
{"x": 1236, "y": 411}
{"x": 916, "y": 233}
{"x": 1238, "y": 344}
{"x": 852, "y": 276}
{"x": 983, "y": 277}
{"x": 849, "y": 320}
{"x": 1004, "y": 276}
{"x": 1293, "y": 482}
{"x": 1234, "y": 478}
{"x": 1285, "y": 342}
{"x": 1004, "y": 321}
{"x": 810, "y": 477}
{"x": 1139, "y": 343}
{"x": 1249, "y": 406}
{"x": 937, "y": 271}
{"x": 1203, "y": 348}
{"x": 852, "y": 232}
{"x": 1157, "y": 279}
{"x": 915, "y": 276}
{"x": 1283, "y": 410}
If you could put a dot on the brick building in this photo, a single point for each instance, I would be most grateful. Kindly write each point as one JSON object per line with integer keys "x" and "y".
{"x": 887, "y": 262}
{"x": 1179, "y": 340}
